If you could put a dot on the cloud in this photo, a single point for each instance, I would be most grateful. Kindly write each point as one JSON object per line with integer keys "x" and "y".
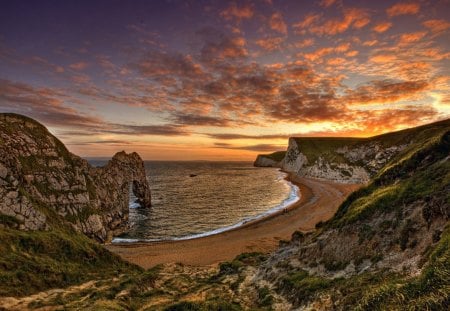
{"x": 47, "y": 106}
{"x": 270, "y": 44}
{"x": 437, "y": 26}
{"x": 159, "y": 64}
{"x": 414, "y": 37}
{"x": 327, "y": 3}
{"x": 158, "y": 130}
{"x": 79, "y": 66}
{"x": 231, "y": 136}
{"x": 199, "y": 120}
{"x": 382, "y": 27}
{"x": 382, "y": 58}
{"x": 239, "y": 13}
{"x": 355, "y": 18}
{"x": 385, "y": 91}
{"x": 403, "y": 8}
{"x": 219, "y": 47}
{"x": 277, "y": 23}
{"x": 260, "y": 147}
{"x": 304, "y": 43}
{"x": 319, "y": 54}
{"x": 43, "y": 104}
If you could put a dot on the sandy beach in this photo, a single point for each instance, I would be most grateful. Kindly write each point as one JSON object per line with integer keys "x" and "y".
{"x": 318, "y": 202}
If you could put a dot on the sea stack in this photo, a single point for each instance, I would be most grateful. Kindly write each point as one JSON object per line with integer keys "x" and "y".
{"x": 42, "y": 183}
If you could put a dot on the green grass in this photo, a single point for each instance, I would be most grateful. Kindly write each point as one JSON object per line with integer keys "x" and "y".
{"x": 34, "y": 261}
{"x": 429, "y": 291}
{"x": 325, "y": 147}
{"x": 303, "y": 286}
{"x": 423, "y": 174}
{"x": 381, "y": 290}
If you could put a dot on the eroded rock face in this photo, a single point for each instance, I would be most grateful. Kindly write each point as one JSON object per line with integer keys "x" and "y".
{"x": 263, "y": 161}
{"x": 349, "y": 163}
{"x": 42, "y": 183}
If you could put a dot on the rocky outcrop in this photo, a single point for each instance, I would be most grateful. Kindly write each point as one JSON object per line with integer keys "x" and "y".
{"x": 264, "y": 161}
{"x": 344, "y": 160}
{"x": 270, "y": 160}
{"x": 43, "y": 185}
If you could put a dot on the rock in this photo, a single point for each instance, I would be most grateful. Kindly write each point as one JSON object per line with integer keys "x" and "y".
{"x": 270, "y": 160}
{"x": 38, "y": 172}
{"x": 344, "y": 160}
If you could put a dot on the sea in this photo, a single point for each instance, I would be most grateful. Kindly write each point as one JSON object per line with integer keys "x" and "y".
{"x": 195, "y": 199}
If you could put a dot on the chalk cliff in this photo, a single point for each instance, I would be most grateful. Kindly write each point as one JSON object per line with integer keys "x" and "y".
{"x": 344, "y": 160}
{"x": 43, "y": 185}
{"x": 270, "y": 160}
{"x": 392, "y": 234}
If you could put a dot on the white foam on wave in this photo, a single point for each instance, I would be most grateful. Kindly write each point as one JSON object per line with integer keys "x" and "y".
{"x": 294, "y": 196}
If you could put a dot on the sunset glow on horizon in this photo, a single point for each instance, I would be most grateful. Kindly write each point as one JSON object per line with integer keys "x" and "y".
{"x": 222, "y": 80}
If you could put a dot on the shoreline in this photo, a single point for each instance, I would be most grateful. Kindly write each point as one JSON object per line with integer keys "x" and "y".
{"x": 318, "y": 201}
{"x": 280, "y": 208}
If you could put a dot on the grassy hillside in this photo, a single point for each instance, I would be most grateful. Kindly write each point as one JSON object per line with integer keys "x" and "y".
{"x": 33, "y": 261}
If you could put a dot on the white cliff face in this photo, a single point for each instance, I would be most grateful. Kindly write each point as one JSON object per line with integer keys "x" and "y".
{"x": 341, "y": 172}
{"x": 262, "y": 161}
{"x": 294, "y": 160}
{"x": 363, "y": 161}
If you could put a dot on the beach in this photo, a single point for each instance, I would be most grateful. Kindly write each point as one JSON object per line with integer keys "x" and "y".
{"x": 319, "y": 201}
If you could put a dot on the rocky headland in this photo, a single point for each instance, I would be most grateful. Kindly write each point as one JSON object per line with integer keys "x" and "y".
{"x": 43, "y": 185}
{"x": 270, "y": 160}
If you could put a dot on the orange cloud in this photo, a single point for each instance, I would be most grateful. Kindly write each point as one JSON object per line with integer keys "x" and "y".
{"x": 342, "y": 47}
{"x": 351, "y": 18}
{"x": 304, "y": 43}
{"x": 319, "y": 53}
{"x": 408, "y": 38}
{"x": 308, "y": 21}
{"x": 352, "y": 53}
{"x": 233, "y": 11}
{"x": 382, "y": 27}
{"x": 270, "y": 44}
{"x": 277, "y": 23}
{"x": 385, "y": 91}
{"x": 336, "y": 61}
{"x": 370, "y": 43}
{"x": 403, "y": 8}
{"x": 437, "y": 25}
{"x": 382, "y": 58}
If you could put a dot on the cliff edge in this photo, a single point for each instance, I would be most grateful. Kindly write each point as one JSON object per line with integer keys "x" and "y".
{"x": 43, "y": 185}
{"x": 270, "y": 160}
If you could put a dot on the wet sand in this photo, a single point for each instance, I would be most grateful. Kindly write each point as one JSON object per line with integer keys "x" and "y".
{"x": 318, "y": 202}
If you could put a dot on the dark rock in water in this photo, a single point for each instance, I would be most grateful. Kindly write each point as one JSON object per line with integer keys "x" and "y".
{"x": 192, "y": 175}
{"x": 42, "y": 184}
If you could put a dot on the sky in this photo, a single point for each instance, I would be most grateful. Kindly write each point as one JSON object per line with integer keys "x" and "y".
{"x": 222, "y": 80}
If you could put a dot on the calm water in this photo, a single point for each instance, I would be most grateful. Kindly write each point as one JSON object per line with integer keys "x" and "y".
{"x": 221, "y": 196}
